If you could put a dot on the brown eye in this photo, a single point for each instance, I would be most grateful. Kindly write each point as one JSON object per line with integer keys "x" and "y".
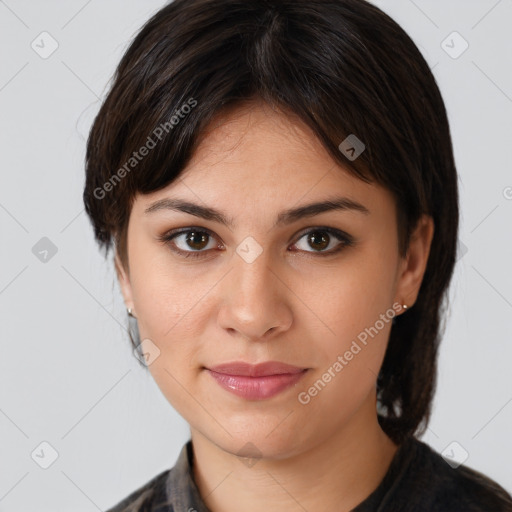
{"x": 190, "y": 242}
{"x": 324, "y": 241}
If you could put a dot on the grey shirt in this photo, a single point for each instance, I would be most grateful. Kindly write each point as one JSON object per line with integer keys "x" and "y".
{"x": 418, "y": 480}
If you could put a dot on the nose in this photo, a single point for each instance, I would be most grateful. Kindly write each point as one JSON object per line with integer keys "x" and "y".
{"x": 255, "y": 300}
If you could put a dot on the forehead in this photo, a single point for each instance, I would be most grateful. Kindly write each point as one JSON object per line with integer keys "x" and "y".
{"x": 254, "y": 155}
{"x": 256, "y": 133}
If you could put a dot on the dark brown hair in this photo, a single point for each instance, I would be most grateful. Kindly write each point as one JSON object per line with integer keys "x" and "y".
{"x": 343, "y": 67}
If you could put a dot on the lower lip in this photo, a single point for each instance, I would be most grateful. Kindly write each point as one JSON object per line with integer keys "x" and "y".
{"x": 256, "y": 388}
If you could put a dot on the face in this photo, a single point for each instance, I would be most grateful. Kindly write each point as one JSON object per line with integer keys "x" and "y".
{"x": 316, "y": 289}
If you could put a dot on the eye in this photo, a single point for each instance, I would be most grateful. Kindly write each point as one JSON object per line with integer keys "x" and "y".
{"x": 323, "y": 238}
{"x": 190, "y": 242}
{"x": 196, "y": 242}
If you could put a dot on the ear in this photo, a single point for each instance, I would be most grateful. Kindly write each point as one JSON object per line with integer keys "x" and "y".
{"x": 124, "y": 282}
{"x": 413, "y": 266}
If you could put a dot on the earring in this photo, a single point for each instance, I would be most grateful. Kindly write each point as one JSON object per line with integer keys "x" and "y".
{"x": 133, "y": 330}
{"x": 404, "y": 308}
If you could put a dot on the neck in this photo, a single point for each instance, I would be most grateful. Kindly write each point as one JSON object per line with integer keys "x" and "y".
{"x": 338, "y": 472}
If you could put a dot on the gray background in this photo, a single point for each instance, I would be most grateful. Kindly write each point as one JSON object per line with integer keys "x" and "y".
{"x": 67, "y": 374}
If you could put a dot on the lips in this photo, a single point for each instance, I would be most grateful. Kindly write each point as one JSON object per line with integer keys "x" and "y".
{"x": 256, "y": 370}
{"x": 256, "y": 382}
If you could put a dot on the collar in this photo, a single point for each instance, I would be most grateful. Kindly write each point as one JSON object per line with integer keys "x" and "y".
{"x": 180, "y": 488}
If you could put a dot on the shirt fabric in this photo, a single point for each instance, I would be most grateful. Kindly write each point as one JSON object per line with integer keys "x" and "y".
{"x": 417, "y": 480}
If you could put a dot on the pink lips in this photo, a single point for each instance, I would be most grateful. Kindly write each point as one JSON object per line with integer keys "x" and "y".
{"x": 256, "y": 382}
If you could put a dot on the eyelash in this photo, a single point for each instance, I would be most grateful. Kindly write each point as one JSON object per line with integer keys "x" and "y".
{"x": 167, "y": 238}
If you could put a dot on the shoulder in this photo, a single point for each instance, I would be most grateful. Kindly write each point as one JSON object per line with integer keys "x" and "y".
{"x": 150, "y": 497}
{"x": 445, "y": 488}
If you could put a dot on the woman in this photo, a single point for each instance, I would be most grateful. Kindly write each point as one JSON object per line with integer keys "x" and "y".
{"x": 277, "y": 181}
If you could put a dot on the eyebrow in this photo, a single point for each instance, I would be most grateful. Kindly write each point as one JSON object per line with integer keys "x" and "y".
{"x": 285, "y": 217}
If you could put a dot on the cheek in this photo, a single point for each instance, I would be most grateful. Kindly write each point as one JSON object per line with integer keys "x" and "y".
{"x": 173, "y": 307}
{"x": 164, "y": 294}
{"x": 352, "y": 296}
{"x": 351, "y": 357}
{"x": 169, "y": 308}
{"x": 355, "y": 304}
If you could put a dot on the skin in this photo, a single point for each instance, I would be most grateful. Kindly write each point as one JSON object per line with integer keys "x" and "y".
{"x": 292, "y": 306}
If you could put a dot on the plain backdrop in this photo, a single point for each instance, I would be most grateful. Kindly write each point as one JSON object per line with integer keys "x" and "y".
{"x": 72, "y": 395}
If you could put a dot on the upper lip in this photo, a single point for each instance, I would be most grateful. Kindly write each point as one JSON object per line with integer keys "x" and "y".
{"x": 256, "y": 370}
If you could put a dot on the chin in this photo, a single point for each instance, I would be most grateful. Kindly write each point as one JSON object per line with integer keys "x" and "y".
{"x": 256, "y": 444}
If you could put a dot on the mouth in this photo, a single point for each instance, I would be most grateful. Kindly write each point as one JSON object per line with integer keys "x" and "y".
{"x": 256, "y": 382}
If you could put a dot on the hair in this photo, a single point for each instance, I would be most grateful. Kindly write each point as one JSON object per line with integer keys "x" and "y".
{"x": 343, "y": 67}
